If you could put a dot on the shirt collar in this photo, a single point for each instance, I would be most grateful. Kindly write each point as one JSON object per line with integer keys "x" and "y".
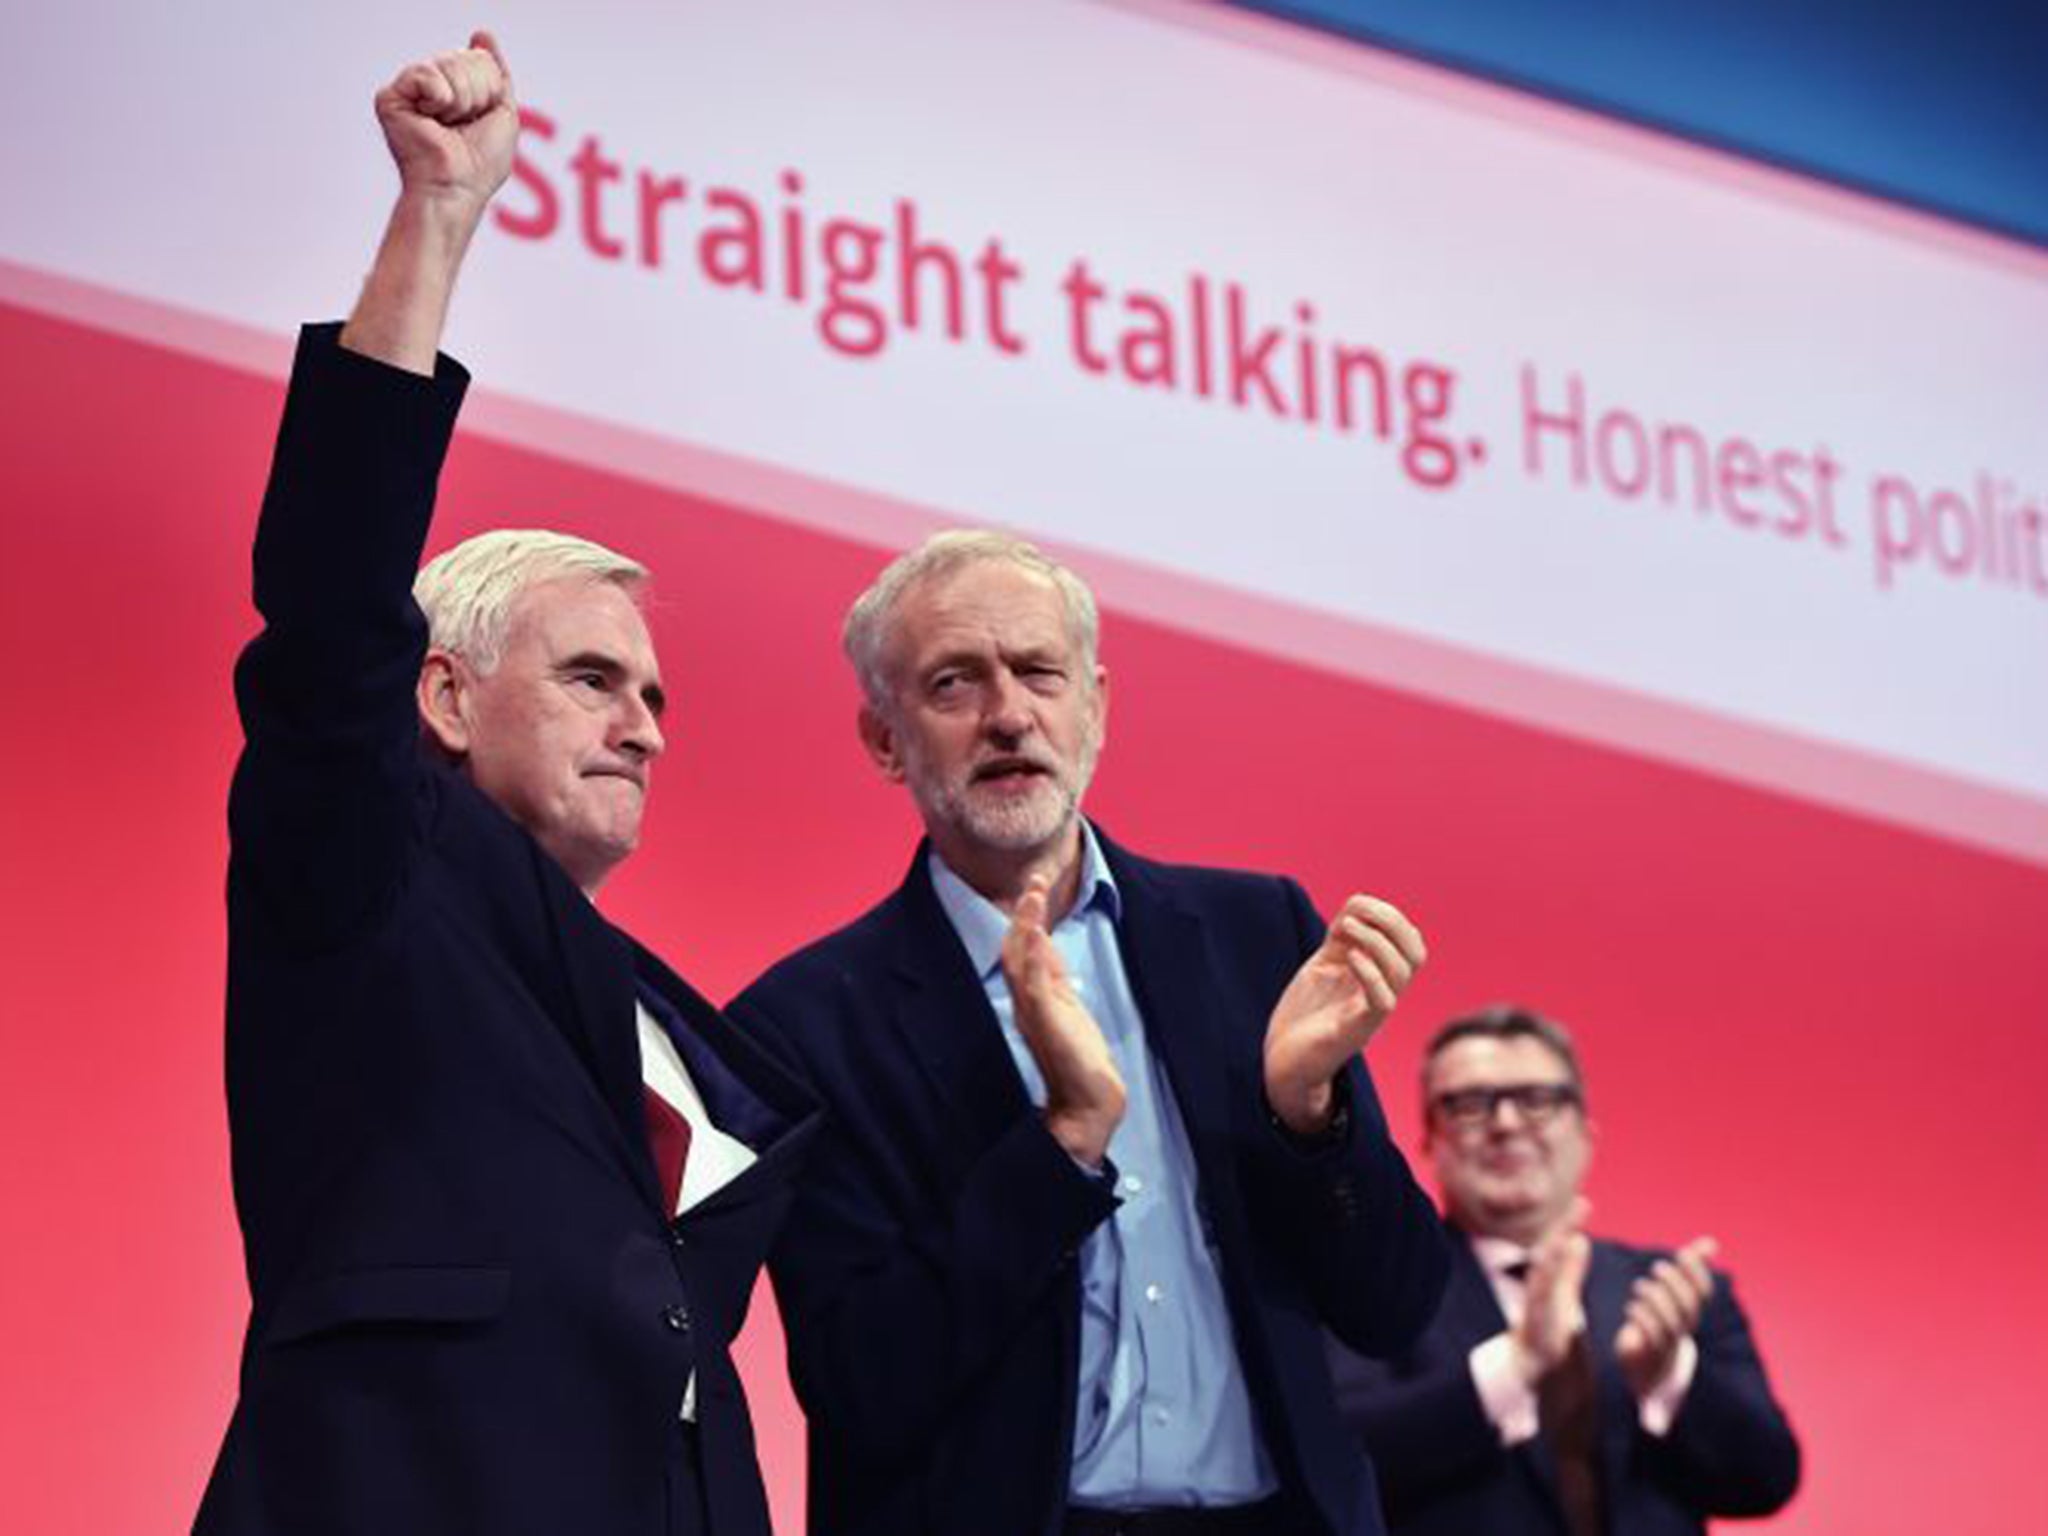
{"x": 981, "y": 924}
{"x": 1497, "y": 1255}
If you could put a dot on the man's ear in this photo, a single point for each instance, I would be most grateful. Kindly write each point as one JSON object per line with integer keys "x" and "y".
{"x": 1428, "y": 1142}
{"x": 443, "y": 694}
{"x": 883, "y": 747}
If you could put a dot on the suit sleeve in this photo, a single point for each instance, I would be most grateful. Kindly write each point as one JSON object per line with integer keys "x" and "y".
{"x": 1420, "y": 1419}
{"x": 1360, "y": 1233}
{"x": 893, "y": 1320}
{"x": 322, "y": 797}
{"x": 1731, "y": 1450}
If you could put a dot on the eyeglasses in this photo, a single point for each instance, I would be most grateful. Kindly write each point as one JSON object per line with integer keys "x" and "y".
{"x": 1468, "y": 1109}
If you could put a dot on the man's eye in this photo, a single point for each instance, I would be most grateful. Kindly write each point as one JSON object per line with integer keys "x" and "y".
{"x": 594, "y": 680}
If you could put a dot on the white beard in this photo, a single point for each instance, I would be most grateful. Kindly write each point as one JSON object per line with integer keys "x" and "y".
{"x": 1012, "y": 823}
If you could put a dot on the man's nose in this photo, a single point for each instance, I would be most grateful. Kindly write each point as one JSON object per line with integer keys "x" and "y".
{"x": 639, "y": 729}
{"x": 1504, "y": 1113}
{"x": 1009, "y": 713}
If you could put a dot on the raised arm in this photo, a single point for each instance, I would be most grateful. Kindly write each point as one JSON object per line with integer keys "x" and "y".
{"x": 451, "y": 123}
{"x": 324, "y": 794}
{"x": 1333, "y": 1193}
{"x": 1336, "y": 1003}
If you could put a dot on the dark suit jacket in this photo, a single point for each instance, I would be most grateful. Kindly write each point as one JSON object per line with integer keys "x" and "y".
{"x": 927, "y": 1276}
{"x": 1444, "y": 1472}
{"x": 468, "y": 1312}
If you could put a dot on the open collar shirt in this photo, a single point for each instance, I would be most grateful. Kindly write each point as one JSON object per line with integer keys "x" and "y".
{"x": 1162, "y": 1415}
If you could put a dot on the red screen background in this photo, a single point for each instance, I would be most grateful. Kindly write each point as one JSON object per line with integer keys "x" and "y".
{"x": 1817, "y": 1037}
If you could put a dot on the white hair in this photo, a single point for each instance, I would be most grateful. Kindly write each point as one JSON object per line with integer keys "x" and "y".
{"x": 868, "y": 628}
{"x": 467, "y": 592}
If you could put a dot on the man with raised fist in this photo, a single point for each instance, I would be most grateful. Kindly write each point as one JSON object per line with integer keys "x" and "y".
{"x": 505, "y": 1181}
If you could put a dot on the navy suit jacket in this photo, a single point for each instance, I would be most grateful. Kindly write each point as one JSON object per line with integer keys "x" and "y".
{"x": 928, "y": 1278}
{"x": 469, "y": 1312}
{"x": 1444, "y": 1471}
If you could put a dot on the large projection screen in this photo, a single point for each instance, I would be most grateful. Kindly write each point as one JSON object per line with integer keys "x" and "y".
{"x": 1631, "y": 559}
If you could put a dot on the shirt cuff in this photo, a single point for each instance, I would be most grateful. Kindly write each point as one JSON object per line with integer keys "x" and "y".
{"x": 1509, "y": 1401}
{"x": 1660, "y": 1408}
{"x": 1102, "y": 1175}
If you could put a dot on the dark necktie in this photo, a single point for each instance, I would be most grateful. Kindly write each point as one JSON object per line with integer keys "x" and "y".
{"x": 1567, "y": 1400}
{"x": 1566, "y": 1406}
{"x": 668, "y": 1134}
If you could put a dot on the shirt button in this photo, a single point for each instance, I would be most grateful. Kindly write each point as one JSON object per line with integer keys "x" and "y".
{"x": 1133, "y": 1185}
{"x": 677, "y": 1318}
{"x": 1155, "y": 1292}
{"x": 1160, "y": 1416}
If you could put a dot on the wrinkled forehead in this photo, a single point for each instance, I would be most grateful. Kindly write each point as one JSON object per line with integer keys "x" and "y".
{"x": 566, "y": 614}
{"x": 1487, "y": 1061}
{"x": 988, "y": 604}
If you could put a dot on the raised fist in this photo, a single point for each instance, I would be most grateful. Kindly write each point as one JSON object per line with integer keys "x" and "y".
{"x": 452, "y": 122}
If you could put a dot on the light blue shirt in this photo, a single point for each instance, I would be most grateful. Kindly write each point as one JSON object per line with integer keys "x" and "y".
{"x": 1161, "y": 1415}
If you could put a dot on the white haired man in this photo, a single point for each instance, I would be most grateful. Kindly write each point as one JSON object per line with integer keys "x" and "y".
{"x": 505, "y": 1180}
{"x": 1102, "y": 1156}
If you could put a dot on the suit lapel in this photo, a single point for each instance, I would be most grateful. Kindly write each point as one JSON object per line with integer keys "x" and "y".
{"x": 745, "y": 1091}
{"x": 759, "y": 1103}
{"x": 598, "y": 961}
{"x": 573, "y": 964}
{"x": 1470, "y": 1306}
{"x": 942, "y": 1012}
{"x": 1166, "y": 957}
{"x": 767, "y": 1172}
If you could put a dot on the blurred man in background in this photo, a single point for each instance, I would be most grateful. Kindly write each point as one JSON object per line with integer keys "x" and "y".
{"x": 1567, "y": 1383}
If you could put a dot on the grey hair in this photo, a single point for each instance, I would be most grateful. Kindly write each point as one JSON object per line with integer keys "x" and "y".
{"x": 866, "y": 633}
{"x": 1506, "y": 1021}
{"x": 467, "y": 592}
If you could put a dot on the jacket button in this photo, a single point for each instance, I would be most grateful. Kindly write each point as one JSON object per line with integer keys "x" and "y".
{"x": 675, "y": 1235}
{"x": 677, "y": 1318}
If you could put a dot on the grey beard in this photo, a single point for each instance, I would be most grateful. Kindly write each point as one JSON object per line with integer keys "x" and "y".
{"x": 1021, "y": 824}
